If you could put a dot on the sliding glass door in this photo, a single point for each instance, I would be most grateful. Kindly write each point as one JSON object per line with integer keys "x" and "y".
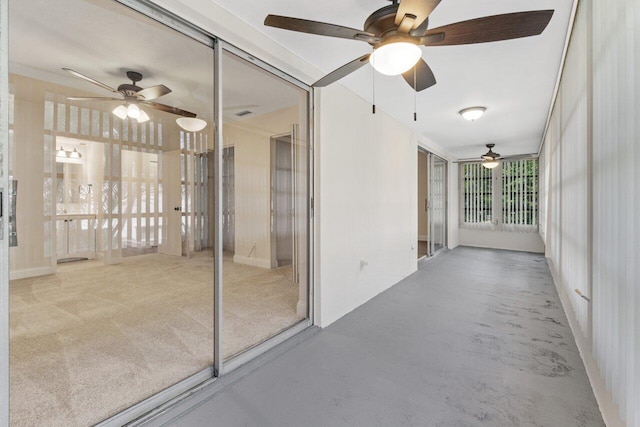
{"x": 111, "y": 297}
{"x": 432, "y": 204}
{"x": 159, "y": 209}
{"x": 265, "y": 268}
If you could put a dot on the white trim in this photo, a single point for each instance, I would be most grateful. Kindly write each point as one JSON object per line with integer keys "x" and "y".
{"x": 423, "y": 238}
{"x": 31, "y": 272}
{"x": 4, "y": 225}
{"x": 556, "y": 89}
{"x": 608, "y": 408}
{"x": 256, "y": 262}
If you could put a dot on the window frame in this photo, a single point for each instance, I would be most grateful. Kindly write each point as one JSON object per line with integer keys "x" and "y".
{"x": 497, "y": 184}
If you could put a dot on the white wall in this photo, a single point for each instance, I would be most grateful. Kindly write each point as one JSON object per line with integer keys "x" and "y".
{"x": 251, "y": 139}
{"x": 592, "y": 199}
{"x": 366, "y": 211}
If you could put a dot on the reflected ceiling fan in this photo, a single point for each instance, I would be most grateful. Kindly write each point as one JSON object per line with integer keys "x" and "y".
{"x": 396, "y": 31}
{"x": 132, "y": 96}
{"x": 492, "y": 159}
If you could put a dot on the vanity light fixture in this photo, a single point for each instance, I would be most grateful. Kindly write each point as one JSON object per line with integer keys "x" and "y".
{"x": 62, "y": 153}
{"x": 472, "y": 113}
{"x": 191, "y": 124}
{"x": 75, "y": 154}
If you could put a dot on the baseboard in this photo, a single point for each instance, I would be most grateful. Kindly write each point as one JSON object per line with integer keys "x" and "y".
{"x": 609, "y": 410}
{"x": 422, "y": 238}
{"x": 301, "y": 308}
{"x": 256, "y": 262}
{"x": 30, "y": 272}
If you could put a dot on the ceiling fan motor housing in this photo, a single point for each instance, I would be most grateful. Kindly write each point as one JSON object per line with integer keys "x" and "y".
{"x": 382, "y": 24}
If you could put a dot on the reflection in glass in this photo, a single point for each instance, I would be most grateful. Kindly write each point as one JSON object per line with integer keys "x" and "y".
{"x": 264, "y": 205}
{"x": 111, "y": 299}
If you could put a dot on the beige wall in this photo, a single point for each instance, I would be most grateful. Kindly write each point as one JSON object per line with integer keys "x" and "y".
{"x": 32, "y": 256}
{"x": 35, "y": 253}
{"x": 251, "y": 139}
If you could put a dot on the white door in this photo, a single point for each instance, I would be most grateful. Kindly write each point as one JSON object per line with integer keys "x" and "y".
{"x": 171, "y": 205}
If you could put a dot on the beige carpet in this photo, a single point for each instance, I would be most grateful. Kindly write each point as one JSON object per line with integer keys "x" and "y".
{"x": 92, "y": 340}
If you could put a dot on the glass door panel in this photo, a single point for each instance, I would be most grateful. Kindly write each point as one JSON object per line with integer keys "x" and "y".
{"x": 111, "y": 187}
{"x": 264, "y": 204}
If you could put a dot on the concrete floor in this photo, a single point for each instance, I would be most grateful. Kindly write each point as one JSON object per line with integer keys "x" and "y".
{"x": 477, "y": 337}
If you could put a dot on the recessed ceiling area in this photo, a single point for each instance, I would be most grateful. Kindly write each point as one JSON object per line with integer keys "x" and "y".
{"x": 514, "y": 79}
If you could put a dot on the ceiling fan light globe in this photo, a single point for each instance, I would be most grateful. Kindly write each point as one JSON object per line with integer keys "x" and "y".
{"x": 144, "y": 117}
{"x": 133, "y": 111}
{"x": 472, "y": 113}
{"x": 395, "y": 58}
{"x": 120, "y": 112}
{"x": 490, "y": 164}
{"x": 191, "y": 124}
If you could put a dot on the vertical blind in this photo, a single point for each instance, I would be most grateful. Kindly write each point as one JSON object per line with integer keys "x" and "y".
{"x": 520, "y": 192}
{"x": 591, "y": 184}
{"x": 478, "y": 193}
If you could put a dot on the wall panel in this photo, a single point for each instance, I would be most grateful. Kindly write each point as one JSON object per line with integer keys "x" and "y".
{"x": 591, "y": 156}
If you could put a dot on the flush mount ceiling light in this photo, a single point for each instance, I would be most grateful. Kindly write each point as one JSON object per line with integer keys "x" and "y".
{"x": 191, "y": 124}
{"x": 132, "y": 111}
{"x": 472, "y": 113}
{"x": 395, "y": 58}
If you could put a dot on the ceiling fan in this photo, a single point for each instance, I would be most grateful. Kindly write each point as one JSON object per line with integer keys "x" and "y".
{"x": 132, "y": 96}
{"x": 396, "y": 31}
{"x": 491, "y": 159}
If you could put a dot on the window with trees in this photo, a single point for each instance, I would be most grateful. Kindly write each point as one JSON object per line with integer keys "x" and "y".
{"x": 506, "y": 196}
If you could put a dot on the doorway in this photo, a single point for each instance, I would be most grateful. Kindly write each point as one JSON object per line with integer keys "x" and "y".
{"x": 432, "y": 204}
{"x": 228, "y": 201}
{"x": 282, "y": 214}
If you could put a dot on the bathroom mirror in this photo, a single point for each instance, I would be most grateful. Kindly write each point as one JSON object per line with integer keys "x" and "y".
{"x": 70, "y": 187}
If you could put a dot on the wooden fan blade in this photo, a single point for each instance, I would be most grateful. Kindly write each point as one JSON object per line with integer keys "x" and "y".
{"x": 520, "y": 157}
{"x": 92, "y": 98}
{"x": 343, "y": 71}
{"x": 169, "y": 109}
{"x": 493, "y": 28}
{"x": 424, "y": 77}
{"x": 421, "y": 9}
{"x": 319, "y": 28}
{"x": 153, "y": 92}
{"x": 90, "y": 80}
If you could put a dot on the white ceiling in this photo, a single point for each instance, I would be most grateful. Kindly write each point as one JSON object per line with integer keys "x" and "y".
{"x": 103, "y": 40}
{"x": 514, "y": 79}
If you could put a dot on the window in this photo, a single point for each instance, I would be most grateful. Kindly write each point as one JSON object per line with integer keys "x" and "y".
{"x": 520, "y": 192}
{"x": 478, "y": 194}
{"x": 506, "y": 196}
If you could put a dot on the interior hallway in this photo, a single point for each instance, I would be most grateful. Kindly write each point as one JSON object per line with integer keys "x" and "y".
{"x": 477, "y": 337}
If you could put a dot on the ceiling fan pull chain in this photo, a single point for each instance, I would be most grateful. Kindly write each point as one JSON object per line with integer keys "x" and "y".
{"x": 415, "y": 96}
{"x": 374, "y": 89}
